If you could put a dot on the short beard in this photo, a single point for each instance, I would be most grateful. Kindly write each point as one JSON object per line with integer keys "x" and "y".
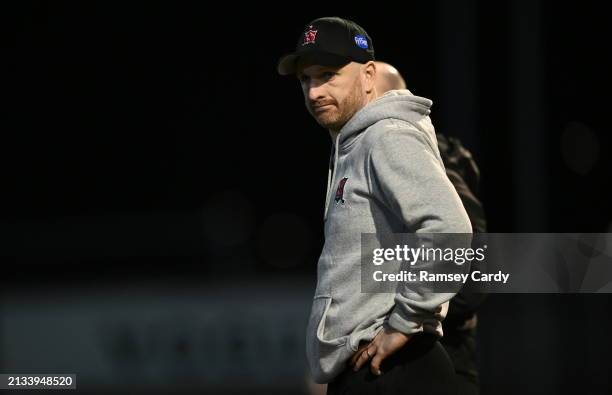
{"x": 349, "y": 106}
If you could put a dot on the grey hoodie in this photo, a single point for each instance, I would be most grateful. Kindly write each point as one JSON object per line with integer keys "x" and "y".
{"x": 386, "y": 176}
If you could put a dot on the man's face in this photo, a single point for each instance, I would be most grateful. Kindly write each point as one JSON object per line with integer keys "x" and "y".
{"x": 332, "y": 94}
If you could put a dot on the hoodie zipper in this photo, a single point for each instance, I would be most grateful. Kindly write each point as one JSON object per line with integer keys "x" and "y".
{"x": 331, "y": 174}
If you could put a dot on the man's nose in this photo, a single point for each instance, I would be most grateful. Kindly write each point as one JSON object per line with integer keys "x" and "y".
{"x": 315, "y": 91}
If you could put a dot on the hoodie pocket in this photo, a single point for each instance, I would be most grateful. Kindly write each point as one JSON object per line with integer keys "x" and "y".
{"x": 326, "y": 357}
{"x": 318, "y": 323}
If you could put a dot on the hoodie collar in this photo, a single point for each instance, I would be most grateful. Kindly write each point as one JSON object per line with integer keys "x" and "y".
{"x": 397, "y": 104}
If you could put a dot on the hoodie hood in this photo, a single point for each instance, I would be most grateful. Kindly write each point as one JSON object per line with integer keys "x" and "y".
{"x": 396, "y": 104}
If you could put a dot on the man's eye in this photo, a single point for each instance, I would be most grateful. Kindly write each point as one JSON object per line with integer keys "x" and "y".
{"x": 328, "y": 74}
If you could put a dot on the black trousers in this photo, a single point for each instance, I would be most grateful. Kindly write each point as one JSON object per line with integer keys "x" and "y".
{"x": 422, "y": 367}
{"x": 460, "y": 345}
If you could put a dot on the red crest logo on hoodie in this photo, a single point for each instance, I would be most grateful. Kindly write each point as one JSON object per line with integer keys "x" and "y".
{"x": 340, "y": 190}
{"x": 310, "y": 36}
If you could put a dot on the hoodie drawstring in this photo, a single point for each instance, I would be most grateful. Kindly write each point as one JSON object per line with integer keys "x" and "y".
{"x": 331, "y": 174}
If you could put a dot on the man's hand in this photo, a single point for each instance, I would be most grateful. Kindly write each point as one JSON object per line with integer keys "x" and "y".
{"x": 384, "y": 344}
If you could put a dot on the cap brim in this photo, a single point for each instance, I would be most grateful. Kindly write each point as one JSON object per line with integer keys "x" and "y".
{"x": 288, "y": 64}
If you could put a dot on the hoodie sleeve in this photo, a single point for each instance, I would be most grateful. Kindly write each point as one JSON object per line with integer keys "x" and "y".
{"x": 408, "y": 177}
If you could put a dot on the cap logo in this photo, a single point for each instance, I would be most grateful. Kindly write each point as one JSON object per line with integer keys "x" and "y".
{"x": 361, "y": 41}
{"x": 309, "y": 36}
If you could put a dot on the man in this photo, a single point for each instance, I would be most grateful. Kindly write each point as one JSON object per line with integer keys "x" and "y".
{"x": 386, "y": 176}
{"x": 460, "y": 324}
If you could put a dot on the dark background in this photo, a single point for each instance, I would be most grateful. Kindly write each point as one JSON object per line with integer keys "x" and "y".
{"x": 153, "y": 143}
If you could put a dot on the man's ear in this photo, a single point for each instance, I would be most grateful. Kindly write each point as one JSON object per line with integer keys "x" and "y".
{"x": 369, "y": 74}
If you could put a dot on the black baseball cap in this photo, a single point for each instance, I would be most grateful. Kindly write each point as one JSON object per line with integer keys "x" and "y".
{"x": 329, "y": 41}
